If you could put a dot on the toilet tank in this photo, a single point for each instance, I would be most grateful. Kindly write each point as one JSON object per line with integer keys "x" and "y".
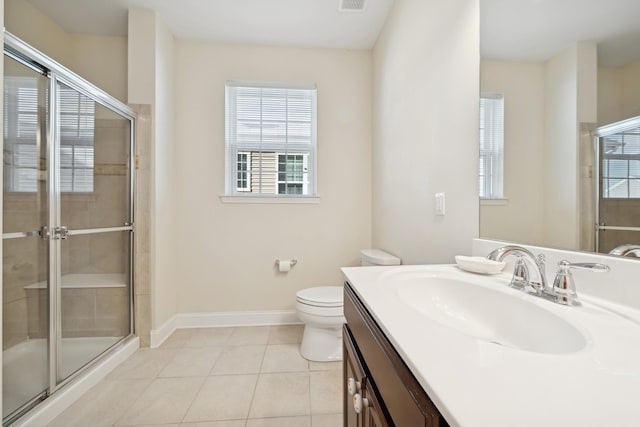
{"x": 378, "y": 257}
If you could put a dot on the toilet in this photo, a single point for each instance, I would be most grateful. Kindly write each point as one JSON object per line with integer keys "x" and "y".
{"x": 321, "y": 310}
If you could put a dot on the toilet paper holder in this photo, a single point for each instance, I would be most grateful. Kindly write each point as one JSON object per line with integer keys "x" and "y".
{"x": 293, "y": 262}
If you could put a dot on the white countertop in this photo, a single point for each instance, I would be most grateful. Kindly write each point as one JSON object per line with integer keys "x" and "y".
{"x": 474, "y": 382}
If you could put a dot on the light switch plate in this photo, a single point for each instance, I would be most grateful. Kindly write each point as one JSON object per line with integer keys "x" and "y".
{"x": 440, "y": 204}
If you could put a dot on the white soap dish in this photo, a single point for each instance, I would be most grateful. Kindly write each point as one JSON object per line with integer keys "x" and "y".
{"x": 478, "y": 264}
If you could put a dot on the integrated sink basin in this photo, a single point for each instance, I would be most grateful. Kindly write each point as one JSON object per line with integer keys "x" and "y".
{"x": 493, "y": 315}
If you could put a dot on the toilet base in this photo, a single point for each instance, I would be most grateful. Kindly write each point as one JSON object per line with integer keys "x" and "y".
{"x": 321, "y": 344}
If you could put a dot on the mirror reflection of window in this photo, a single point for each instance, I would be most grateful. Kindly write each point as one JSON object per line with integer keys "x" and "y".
{"x": 621, "y": 165}
{"x": 491, "y": 179}
{"x": 77, "y": 127}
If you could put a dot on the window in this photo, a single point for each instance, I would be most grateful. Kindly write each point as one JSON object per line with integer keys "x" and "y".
{"x": 270, "y": 139}
{"x": 293, "y": 171}
{"x": 621, "y": 165}
{"x": 491, "y": 146}
{"x": 244, "y": 178}
{"x": 21, "y": 127}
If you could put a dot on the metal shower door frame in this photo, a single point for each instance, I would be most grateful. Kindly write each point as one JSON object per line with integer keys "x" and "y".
{"x": 599, "y": 134}
{"x": 54, "y": 231}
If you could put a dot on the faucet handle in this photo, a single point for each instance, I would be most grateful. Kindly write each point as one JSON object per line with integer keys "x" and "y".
{"x": 520, "y": 277}
{"x": 564, "y": 287}
{"x": 593, "y": 266}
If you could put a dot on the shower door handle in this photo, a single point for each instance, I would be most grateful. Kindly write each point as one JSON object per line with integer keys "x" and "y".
{"x": 60, "y": 233}
{"x": 44, "y": 232}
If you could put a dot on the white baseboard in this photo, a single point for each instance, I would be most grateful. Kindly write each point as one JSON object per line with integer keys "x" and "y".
{"x": 44, "y": 413}
{"x": 221, "y": 319}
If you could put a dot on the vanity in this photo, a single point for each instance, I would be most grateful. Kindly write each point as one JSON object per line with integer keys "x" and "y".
{"x": 375, "y": 374}
{"x": 434, "y": 345}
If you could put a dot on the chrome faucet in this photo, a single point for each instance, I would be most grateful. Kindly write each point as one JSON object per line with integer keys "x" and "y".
{"x": 564, "y": 287}
{"x": 525, "y": 261}
{"x": 563, "y": 290}
{"x": 629, "y": 250}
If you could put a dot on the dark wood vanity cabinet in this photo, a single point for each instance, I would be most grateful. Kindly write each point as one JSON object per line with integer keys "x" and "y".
{"x": 380, "y": 390}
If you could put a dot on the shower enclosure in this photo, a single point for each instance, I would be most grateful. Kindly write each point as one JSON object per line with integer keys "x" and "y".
{"x": 67, "y": 226}
{"x": 618, "y": 184}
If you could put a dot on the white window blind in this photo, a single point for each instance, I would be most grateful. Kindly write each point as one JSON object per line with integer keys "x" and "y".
{"x": 491, "y": 146}
{"x": 20, "y": 114}
{"x": 77, "y": 124}
{"x": 270, "y": 138}
{"x": 621, "y": 165}
{"x": 21, "y": 122}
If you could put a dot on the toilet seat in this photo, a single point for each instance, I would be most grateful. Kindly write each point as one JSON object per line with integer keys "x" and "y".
{"x": 321, "y": 296}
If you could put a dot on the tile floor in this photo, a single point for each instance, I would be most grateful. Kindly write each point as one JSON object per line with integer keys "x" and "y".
{"x": 217, "y": 377}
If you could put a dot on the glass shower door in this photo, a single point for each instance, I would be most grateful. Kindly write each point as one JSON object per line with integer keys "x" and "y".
{"x": 25, "y": 252}
{"x": 618, "y": 203}
{"x": 95, "y": 216}
{"x": 67, "y": 226}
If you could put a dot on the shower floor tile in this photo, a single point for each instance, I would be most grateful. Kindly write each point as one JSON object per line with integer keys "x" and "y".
{"x": 216, "y": 377}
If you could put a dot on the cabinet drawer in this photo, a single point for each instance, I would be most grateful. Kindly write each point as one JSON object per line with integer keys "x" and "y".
{"x": 405, "y": 400}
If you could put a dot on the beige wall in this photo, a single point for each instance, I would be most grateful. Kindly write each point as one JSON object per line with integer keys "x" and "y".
{"x": 226, "y": 251}
{"x": 102, "y": 60}
{"x": 151, "y": 81}
{"x": 570, "y": 99}
{"x": 618, "y": 93}
{"x": 30, "y": 25}
{"x": 549, "y": 109}
{"x": 426, "y": 64}
{"x": 166, "y": 146}
{"x": 522, "y": 84}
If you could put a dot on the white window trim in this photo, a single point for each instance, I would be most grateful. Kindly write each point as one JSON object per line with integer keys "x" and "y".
{"x": 276, "y": 199}
{"x": 493, "y": 202}
{"x": 231, "y": 191}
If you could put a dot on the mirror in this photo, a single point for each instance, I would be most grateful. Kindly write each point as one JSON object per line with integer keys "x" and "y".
{"x": 564, "y": 69}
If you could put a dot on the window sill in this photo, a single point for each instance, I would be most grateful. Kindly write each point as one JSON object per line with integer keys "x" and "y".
{"x": 309, "y": 200}
{"x": 65, "y": 197}
{"x": 494, "y": 202}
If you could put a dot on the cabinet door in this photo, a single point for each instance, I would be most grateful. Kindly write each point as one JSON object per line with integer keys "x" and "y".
{"x": 353, "y": 376}
{"x": 373, "y": 416}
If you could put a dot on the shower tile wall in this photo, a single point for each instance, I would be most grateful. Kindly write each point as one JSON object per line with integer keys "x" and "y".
{"x": 142, "y": 271}
{"x": 87, "y": 312}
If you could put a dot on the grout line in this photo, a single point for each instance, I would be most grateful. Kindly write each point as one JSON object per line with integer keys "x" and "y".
{"x": 195, "y": 396}
{"x": 255, "y": 387}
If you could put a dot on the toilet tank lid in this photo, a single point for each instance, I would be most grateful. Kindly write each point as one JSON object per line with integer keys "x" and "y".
{"x": 321, "y": 294}
{"x": 378, "y": 257}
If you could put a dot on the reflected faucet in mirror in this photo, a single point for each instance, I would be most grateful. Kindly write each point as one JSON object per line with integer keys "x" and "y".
{"x": 628, "y": 250}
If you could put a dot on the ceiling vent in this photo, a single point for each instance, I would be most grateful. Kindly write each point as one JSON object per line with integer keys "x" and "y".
{"x": 352, "y": 5}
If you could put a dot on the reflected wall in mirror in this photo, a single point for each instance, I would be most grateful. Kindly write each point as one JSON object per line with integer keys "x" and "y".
{"x": 564, "y": 71}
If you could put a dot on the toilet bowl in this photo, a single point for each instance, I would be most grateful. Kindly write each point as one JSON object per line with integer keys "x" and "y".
{"x": 321, "y": 310}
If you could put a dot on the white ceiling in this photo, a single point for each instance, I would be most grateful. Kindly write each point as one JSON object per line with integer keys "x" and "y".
{"x": 309, "y": 23}
{"x": 528, "y": 30}
{"x": 534, "y": 30}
